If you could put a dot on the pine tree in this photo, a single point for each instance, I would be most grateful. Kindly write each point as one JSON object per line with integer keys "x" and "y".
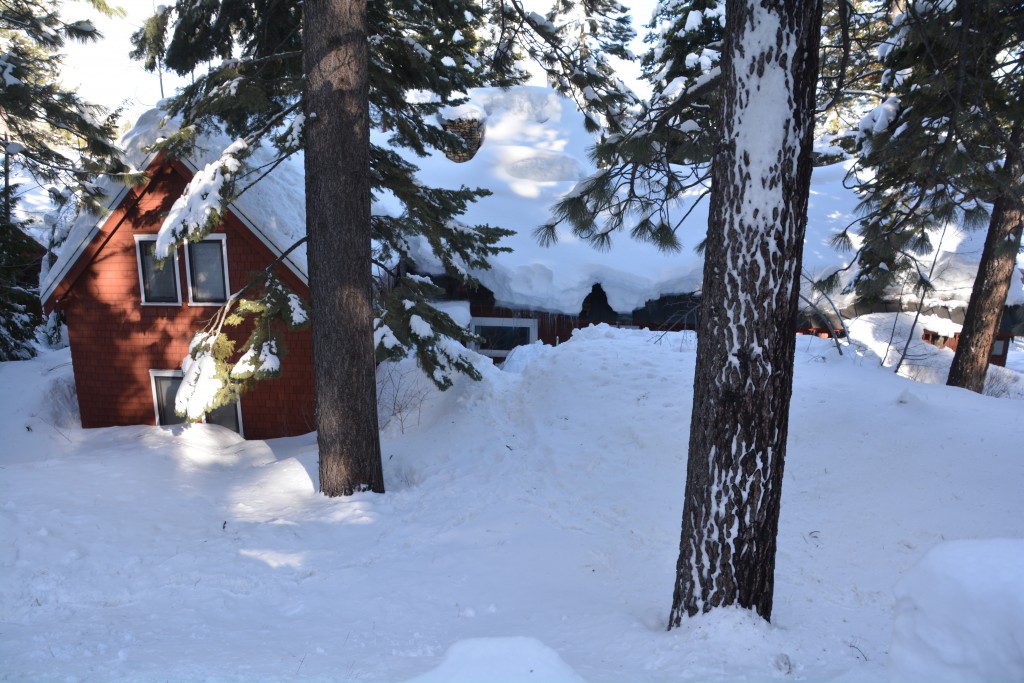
{"x": 50, "y": 135}
{"x": 572, "y": 43}
{"x": 850, "y": 73}
{"x": 19, "y": 296}
{"x": 648, "y": 163}
{"x": 745, "y": 341}
{"x": 941, "y": 149}
{"x": 656, "y": 166}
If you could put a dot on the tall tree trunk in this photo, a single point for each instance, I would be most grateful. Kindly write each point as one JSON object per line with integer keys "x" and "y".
{"x": 338, "y": 225}
{"x": 995, "y": 274}
{"x": 745, "y": 343}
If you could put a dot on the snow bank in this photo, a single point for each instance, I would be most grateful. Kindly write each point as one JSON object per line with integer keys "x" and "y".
{"x": 960, "y": 615}
{"x": 882, "y": 337}
{"x": 500, "y": 660}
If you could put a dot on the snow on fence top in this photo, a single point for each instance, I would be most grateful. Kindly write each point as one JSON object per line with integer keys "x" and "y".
{"x": 534, "y": 152}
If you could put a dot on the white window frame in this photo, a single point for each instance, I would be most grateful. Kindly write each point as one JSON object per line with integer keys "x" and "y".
{"x": 139, "y": 239}
{"x": 223, "y": 239}
{"x": 154, "y": 374}
{"x": 501, "y": 354}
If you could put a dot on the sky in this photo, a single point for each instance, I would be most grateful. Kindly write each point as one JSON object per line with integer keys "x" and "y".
{"x": 103, "y": 73}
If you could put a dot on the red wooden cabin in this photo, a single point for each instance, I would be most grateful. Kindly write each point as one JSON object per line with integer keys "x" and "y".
{"x": 130, "y": 319}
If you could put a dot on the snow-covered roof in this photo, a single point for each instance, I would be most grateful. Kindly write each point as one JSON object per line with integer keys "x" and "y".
{"x": 534, "y": 152}
{"x": 274, "y": 210}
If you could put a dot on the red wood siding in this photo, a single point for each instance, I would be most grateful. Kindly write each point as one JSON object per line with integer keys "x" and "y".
{"x": 936, "y": 339}
{"x": 116, "y": 341}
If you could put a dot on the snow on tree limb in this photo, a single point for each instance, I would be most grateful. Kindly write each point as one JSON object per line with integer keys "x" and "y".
{"x": 200, "y": 385}
{"x": 200, "y": 207}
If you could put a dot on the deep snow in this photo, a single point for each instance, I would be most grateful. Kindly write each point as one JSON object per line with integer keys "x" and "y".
{"x": 529, "y": 532}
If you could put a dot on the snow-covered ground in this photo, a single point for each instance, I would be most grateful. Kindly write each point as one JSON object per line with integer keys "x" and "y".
{"x": 529, "y": 533}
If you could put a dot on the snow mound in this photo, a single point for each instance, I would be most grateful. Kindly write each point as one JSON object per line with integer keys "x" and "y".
{"x": 535, "y": 104}
{"x": 960, "y": 615}
{"x": 882, "y": 338}
{"x": 500, "y": 660}
{"x": 40, "y": 405}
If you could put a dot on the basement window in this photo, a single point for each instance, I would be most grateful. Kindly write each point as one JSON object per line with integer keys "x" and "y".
{"x": 165, "y": 388}
{"x": 206, "y": 263}
{"x": 158, "y": 278}
{"x": 501, "y": 335}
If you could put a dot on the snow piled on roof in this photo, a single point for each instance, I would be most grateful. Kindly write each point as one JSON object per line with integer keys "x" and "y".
{"x": 274, "y": 209}
{"x": 534, "y": 152}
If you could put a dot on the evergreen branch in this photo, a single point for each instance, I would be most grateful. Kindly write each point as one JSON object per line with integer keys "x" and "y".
{"x": 387, "y": 269}
{"x": 266, "y": 272}
{"x": 844, "y": 60}
{"x": 824, "y": 318}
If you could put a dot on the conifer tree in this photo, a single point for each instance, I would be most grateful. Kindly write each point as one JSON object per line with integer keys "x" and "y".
{"x": 648, "y": 163}
{"x": 572, "y": 43}
{"x": 19, "y": 296}
{"x": 336, "y": 65}
{"x": 942, "y": 148}
{"x": 655, "y": 167}
{"x": 850, "y": 73}
{"x": 50, "y": 135}
{"x": 745, "y": 342}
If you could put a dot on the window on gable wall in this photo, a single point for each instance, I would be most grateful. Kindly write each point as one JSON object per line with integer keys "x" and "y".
{"x": 158, "y": 277}
{"x": 165, "y": 388}
{"x": 207, "y": 266}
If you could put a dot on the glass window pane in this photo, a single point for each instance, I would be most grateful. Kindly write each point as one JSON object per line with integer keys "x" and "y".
{"x": 206, "y": 263}
{"x": 225, "y": 416}
{"x": 501, "y": 337}
{"x": 166, "y": 389}
{"x": 159, "y": 277}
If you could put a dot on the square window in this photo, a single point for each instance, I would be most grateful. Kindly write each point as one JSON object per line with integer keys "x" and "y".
{"x": 501, "y": 335}
{"x": 158, "y": 277}
{"x": 998, "y": 348}
{"x": 207, "y": 271}
{"x": 165, "y": 388}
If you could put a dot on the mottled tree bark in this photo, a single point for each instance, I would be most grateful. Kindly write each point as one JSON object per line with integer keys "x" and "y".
{"x": 338, "y": 226}
{"x": 995, "y": 274}
{"x": 745, "y": 343}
